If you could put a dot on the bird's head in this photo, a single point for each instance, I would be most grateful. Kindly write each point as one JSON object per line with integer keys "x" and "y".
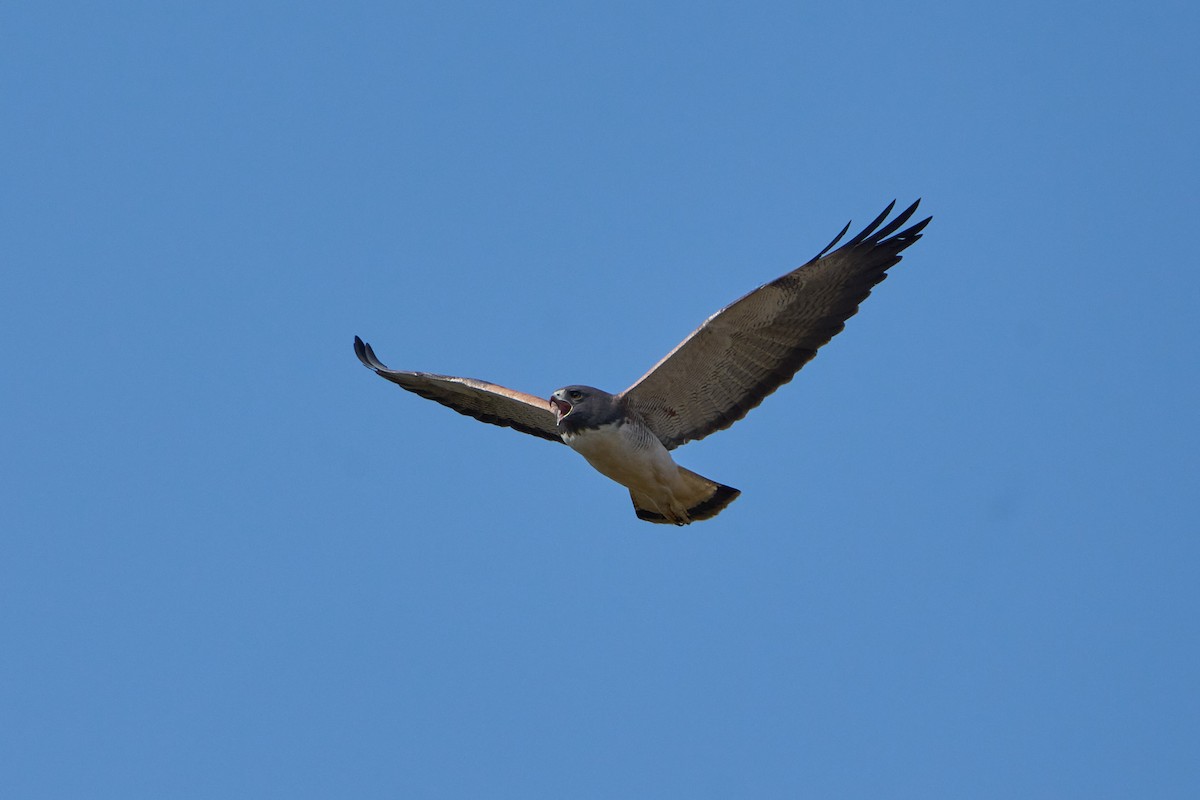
{"x": 583, "y": 407}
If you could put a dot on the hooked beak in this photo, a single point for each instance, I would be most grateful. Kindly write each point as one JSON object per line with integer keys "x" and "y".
{"x": 561, "y": 407}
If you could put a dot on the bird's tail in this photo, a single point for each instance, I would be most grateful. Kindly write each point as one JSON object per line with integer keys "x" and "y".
{"x": 702, "y": 498}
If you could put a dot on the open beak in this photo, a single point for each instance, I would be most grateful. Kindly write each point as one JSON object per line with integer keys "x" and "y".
{"x": 561, "y": 407}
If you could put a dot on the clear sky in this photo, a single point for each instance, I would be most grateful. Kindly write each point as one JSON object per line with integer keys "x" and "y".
{"x": 235, "y": 564}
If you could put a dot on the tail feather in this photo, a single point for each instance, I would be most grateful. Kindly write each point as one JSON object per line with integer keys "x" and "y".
{"x": 706, "y": 499}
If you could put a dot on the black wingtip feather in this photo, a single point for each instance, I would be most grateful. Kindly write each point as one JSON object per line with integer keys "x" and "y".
{"x": 867, "y": 231}
{"x": 836, "y": 239}
{"x": 894, "y": 225}
{"x": 367, "y": 356}
{"x": 873, "y": 235}
{"x": 914, "y": 233}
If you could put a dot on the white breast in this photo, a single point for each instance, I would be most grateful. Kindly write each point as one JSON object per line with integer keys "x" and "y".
{"x": 627, "y": 453}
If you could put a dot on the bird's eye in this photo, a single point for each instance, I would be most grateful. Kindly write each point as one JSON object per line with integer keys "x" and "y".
{"x": 575, "y": 394}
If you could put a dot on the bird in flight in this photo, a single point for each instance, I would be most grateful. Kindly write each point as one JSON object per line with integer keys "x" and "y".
{"x": 715, "y": 376}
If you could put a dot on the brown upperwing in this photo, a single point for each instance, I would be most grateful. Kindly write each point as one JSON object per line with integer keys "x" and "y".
{"x": 750, "y": 348}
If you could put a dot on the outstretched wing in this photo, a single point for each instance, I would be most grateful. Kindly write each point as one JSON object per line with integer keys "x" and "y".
{"x": 750, "y": 348}
{"x": 484, "y": 401}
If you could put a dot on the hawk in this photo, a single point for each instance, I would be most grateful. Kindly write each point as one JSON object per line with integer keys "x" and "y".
{"x": 714, "y": 377}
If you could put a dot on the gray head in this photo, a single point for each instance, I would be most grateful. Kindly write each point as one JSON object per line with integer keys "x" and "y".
{"x": 581, "y": 407}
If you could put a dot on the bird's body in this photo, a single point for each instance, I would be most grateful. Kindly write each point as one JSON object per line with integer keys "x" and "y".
{"x": 629, "y": 454}
{"x": 712, "y": 379}
{"x": 620, "y": 446}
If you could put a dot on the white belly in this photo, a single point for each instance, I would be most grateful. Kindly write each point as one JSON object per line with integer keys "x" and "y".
{"x": 630, "y": 455}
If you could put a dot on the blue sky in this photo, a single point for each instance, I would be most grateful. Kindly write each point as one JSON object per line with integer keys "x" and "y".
{"x": 236, "y": 564}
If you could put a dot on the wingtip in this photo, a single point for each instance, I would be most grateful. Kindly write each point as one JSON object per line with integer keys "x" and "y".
{"x": 366, "y": 355}
{"x": 836, "y": 239}
{"x": 908, "y": 212}
{"x": 877, "y": 232}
